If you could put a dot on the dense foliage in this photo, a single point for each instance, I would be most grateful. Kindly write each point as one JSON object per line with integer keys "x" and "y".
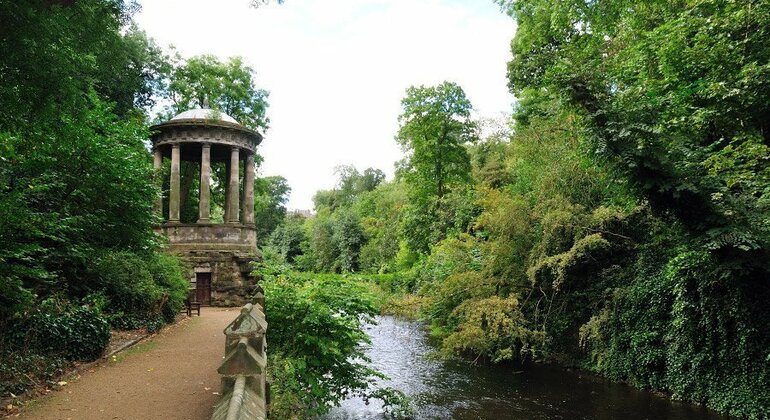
{"x": 621, "y": 225}
{"x": 75, "y": 176}
{"x": 316, "y": 342}
{"x": 227, "y": 86}
{"x": 620, "y": 222}
{"x": 271, "y": 193}
{"x": 336, "y": 239}
{"x": 435, "y": 128}
{"x": 675, "y": 97}
{"x": 76, "y": 186}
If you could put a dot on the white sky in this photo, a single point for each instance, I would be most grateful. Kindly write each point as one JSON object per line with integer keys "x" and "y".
{"x": 337, "y": 70}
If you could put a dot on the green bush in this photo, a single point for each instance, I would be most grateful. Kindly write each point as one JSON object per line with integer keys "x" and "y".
{"x": 141, "y": 289}
{"x": 73, "y": 332}
{"x": 316, "y": 337}
{"x": 22, "y": 370}
{"x": 122, "y": 321}
{"x": 128, "y": 284}
{"x": 36, "y": 345}
{"x": 669, "y": 330}
{"x": 168, "y": 275}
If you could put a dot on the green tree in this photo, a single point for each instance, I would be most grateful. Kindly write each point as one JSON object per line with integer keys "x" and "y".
{"x": 289, "y": 238}
{"x": 380, "y": 211}
{"x": 675, "y": 94}
{"x": 337, "y": 234}
{"x": 351, "y": 184}
{"x": 228, "y": 86}
{"x": 488, "y": 156}
{"x": 76, "y": 183}
{"x": 349, "y": 238}
{"x": 271, "y": 194}
{"x": 435, "y": 127}
{"x": 75, "y": 176}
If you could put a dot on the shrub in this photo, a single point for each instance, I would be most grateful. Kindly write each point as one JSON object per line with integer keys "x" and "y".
{"x": 128, "y": 283}
{"x": 20, "y": 371}
{"x": 73, "y": 332}
{"x": 168, "y": 275}
{"x": 316, "y": 337}
{"x": 141, "y": 289}
{"x": 493, "y": 327}
{"x": 122, "y": 321}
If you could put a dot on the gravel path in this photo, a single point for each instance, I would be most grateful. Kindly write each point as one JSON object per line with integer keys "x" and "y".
{"x": 170, "y": 376}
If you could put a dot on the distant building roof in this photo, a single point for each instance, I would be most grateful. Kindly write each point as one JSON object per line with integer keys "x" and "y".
{"x": 302, "y": 213}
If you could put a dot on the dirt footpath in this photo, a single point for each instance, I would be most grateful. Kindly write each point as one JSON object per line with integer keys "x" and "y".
{"x": 170, "y": 376}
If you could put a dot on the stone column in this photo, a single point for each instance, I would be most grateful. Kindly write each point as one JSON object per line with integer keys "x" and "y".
{"x": 157, "y": 164}
{"x": 173, "y": 196}
{"x": 248, "y": 190}
{"x": 204, "y": 206}
{"x": 226, "y": 216}
{"x": 233, "y": 216}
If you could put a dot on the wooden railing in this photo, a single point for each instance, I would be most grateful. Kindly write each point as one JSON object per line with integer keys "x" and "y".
{"x": 244, "y": 387}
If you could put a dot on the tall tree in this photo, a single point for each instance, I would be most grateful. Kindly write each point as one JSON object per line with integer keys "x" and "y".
{"x": 353, "y": 183}
{"x": 436, "y": 126}
{"x": 228, "y": 86}
{"x": 676, "y": 93}
{"x": 350, "y": 186}
{"x": 271, "y": 194}
{"x": 75, "y": 176}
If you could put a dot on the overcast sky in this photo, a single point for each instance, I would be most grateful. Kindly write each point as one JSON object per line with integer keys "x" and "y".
{"x": 336, "y": 70}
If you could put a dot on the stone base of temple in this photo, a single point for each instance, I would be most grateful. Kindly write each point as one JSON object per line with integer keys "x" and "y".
{"x": 218, "y": 260}
{"x": 231, "y": 281}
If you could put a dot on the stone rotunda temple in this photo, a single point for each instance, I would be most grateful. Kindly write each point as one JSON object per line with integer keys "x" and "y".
{"x": 217, "y": 255}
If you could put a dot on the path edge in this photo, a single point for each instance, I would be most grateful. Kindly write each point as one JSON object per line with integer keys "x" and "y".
{"x": 34, "y": 393}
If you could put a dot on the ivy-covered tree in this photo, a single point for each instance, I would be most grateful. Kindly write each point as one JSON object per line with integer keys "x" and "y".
{"x": 676, "y": 96}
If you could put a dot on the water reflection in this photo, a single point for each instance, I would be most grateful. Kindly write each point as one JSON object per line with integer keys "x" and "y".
{"x": 455, "y": 390}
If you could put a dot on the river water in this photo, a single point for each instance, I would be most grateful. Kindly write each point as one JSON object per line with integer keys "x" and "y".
{"x": 443, "y": 389}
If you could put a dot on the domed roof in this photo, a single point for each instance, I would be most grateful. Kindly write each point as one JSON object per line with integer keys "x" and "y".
{"x": 204, "y": 114}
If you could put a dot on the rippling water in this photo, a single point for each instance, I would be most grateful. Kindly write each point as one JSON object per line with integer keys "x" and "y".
{"x": 455, "y": 390}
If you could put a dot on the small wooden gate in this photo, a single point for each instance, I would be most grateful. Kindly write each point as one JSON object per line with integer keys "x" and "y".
{"x": 203, "y": 288}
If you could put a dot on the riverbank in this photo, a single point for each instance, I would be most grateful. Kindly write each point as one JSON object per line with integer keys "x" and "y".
{"x": 442, "y": 389}
{"x": 397, "y": 305}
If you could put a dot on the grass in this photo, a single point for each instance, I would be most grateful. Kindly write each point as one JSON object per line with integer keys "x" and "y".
{"x": 136, "y": 349}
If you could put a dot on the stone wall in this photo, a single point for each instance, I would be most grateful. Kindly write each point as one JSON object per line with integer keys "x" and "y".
{"x": 231, "y": 280}
{"x": 206, "y": 236}
{"x": 225, "y": 251}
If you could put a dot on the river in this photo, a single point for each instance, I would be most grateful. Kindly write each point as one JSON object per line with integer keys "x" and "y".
{"x": 443, "y": 389}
